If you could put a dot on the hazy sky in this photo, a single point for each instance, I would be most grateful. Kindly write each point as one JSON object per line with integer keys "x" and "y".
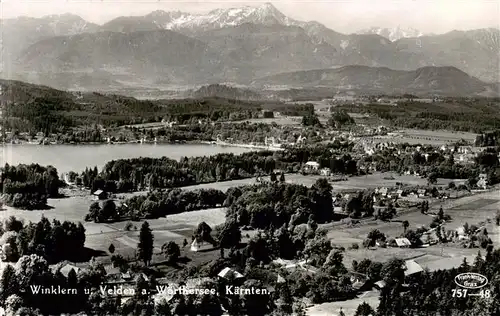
{"x": 436, "y": 16}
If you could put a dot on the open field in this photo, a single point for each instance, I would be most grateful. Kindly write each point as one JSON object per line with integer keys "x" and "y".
{"x": 348, "y": 307}
{"x": 353, "y": 183}
{"x": 280, "y": 120}
{"x": 470, "y": 209}
{"x": 175, "y": 227}
{"x": 425, "y": 137}
{"x": 439, "y": 135}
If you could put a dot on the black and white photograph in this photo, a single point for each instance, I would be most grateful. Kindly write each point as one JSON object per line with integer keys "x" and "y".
{"x": 256, "y": 158}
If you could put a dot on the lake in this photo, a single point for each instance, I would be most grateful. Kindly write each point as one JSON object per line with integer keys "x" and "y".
{"x": 77, "y": 157}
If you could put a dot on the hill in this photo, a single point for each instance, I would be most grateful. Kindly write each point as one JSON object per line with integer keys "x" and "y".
{"x": 223, "y": 91}
{"x": 29, "y": 107}
{"x": 146, "y": 56}
{"x": 20, "y": 33}
{"x": 363, "y": 79}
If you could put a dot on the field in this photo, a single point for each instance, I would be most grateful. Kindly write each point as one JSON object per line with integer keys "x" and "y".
{"x": 471, "y": 209}
{"x": 348, "y": 307}
{"x": 280, "y": 120}
{"x": 413, "y": 136}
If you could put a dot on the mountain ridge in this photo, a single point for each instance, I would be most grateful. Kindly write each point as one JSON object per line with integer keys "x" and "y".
{"x": 425, "y": 80}
{"x": 233, "y": 45}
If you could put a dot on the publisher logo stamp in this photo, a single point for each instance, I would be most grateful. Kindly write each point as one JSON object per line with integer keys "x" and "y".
{"x": 471, "y": 280}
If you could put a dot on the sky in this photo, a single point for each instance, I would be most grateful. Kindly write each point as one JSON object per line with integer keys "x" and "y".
{"x": 347, "y": 16}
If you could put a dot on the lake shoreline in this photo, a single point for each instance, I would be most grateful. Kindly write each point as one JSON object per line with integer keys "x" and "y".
{"x": 66, "y": 157}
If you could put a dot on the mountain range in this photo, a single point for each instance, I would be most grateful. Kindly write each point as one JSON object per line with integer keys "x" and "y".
{"x": 239, "y": 45}
{"x": 393, "y": 34}
{"x": 448, "y": 81}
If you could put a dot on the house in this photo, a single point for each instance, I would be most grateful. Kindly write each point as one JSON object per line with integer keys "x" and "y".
{"x": 379, "y": 285}
{"x": 399, "y": 193}
{"x": 325, "y": 172}
{"x": 200, "y": 246}
{"x": 412, "y": 268}
{"x": 302, "y": 265}
{"x": 311, "y": 166}
{"x": 383, "y": 191}
{"x": 228, "y": 273}
{"x": 100, "y": 195}
{"x": 301, "y": 139}
{"x": 359, "y": 281}
{"x": 293, "y": 265}
{"x": 421, "y": 193}
{"x": 429, "y": 238}
{"x": 126, "y": 276}
{"x": 482, "y": 182}
{"x": 402, "y": 242}
{"x": 65, "y": 269}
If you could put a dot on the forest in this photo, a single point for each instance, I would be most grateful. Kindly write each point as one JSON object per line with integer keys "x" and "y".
{"x": 140, "y": 173}
{"x": 454, "y": 114}
{"x": 54, "y": 241}
{"x": 29, "y": 186}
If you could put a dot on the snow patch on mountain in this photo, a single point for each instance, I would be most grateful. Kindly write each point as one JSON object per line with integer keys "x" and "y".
{"x": 265, "y": 14}
{"x": 393, "y": 34}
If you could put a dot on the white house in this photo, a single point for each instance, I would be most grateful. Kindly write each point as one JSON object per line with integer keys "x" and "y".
{"x": 402, "y": 242}
{"x": 482, "y": 182}
{"x": 200, "y": 246}
{"x": 227, "y": 273}
{"x": 311, "y": 166}
{"x": 325, "y": 172}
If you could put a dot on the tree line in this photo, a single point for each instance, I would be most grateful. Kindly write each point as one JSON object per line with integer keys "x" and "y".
{"x": 29, "y": 186}
{"x": 140, "y": 173}
{"x": 54, "y": 241}
{"x": 155, "y": 204}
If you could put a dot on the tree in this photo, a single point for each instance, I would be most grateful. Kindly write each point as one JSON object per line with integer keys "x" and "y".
{"x": 94, "y": 212}
{"x": 364, "y": 310}
{"x": 108, "y": 210}
{"x": 432, "y": 178}
{"x": 440, "y": 214}
{"x": 406, "y": 224}
{"x": 171, "y": 251}
{"x": 273, "y": 177}
{"x": 145, "y": 246}
{"x": 322, "y": 200}
{"x": 111, "y": 248}
{"x": 8, "y": 285}
{"x": 203, "y": 233}
{"x": 311, "y": 120}
{"x": 282, "y": 177}
{"x": 339, "y": 119}
{"x": 229, "y": 235}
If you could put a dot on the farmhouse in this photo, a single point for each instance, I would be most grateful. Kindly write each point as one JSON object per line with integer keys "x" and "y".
{"x": 383, "y": 191}
{"x": 482, "y": 182}
{"x": 200, "y": 246}
{"x": 67, "y": 268}
{"x": 325, "y": 172}
{"x": 228, "y": 273}
{"x": 100, "y": 195}
{"x": 402, "y": 242}
{"x": 429, "y": 238}
{"x": 311, "y": 166}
